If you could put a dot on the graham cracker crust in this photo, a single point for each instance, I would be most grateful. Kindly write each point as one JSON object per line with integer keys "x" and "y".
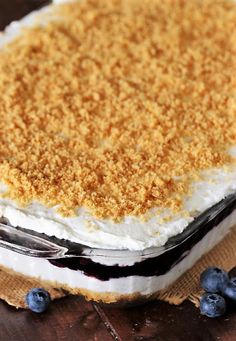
{"x": 63, "y": 290}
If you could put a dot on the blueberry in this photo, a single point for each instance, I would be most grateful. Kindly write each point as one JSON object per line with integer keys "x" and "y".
{"x": 214, "y": 280}
{"x": 232, "y": 272}
{"x": 212, "y": 305}
{"x": 38, "y": 300}
{"x": 230, "y": 289}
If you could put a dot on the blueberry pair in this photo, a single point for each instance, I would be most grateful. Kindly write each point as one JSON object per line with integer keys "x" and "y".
{"x": 219, "y": 286}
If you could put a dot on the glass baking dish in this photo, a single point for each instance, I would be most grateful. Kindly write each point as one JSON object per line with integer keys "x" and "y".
{"x": 114, "y": 276}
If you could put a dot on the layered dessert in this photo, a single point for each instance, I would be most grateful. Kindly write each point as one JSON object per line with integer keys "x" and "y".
{"x": 117, "y": 143}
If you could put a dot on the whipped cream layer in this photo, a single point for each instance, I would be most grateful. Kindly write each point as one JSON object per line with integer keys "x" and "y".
{"x": 132, "y": 233}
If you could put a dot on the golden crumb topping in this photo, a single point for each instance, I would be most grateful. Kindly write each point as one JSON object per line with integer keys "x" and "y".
{"x": 118, "y": 105}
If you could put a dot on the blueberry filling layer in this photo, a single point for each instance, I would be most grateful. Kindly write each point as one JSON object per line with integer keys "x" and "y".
{"x": 154, "y": 266}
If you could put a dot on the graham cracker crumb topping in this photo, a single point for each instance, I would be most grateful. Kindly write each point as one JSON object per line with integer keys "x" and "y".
{"x": 118, "y": 105}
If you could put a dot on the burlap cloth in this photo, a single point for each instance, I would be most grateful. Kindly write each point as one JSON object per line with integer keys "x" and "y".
{"x": 13, "y": 288}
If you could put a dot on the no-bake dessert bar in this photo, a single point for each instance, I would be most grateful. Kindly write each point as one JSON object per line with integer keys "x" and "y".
{"x": 117, "y": 142}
